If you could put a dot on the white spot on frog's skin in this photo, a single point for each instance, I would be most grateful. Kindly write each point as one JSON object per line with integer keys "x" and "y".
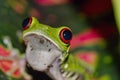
{"x": 66, "y": 66}
{"x": 41, "y": 53}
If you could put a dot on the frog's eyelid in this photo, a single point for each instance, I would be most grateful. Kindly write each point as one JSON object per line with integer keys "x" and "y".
{"x": 26, "y": 23}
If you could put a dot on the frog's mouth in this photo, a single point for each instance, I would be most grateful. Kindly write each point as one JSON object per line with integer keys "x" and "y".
{"x": 41, "y": 53}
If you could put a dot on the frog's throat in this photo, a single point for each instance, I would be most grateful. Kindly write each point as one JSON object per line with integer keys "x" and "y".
{"x": 41, "y": 53}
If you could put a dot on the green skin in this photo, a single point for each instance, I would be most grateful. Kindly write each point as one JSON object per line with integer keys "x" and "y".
{"x": 38, "y": 39}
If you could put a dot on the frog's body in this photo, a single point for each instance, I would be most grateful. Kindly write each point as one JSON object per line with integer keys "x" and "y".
{"x": 47, "y": 50}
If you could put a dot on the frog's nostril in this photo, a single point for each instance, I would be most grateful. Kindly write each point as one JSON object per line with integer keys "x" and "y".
{"x": 26, "y": 23}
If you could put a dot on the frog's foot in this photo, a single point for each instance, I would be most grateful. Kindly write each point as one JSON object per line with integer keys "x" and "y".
{"x": 41, "y": 53}
{"x": 70, "y": 75}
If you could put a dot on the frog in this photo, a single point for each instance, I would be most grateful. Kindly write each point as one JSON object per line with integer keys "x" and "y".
{"x": 47, "y": 50}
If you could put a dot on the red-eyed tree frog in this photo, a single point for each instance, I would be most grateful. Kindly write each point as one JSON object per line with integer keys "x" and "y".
{"x": 47, "y": 50}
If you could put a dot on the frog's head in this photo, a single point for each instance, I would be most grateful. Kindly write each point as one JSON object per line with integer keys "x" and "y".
{"x": 45, "y": 44}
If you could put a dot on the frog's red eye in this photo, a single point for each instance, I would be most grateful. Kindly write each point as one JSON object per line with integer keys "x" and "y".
{"x": 26, "y": 23}
{"x": 66, "y": 35}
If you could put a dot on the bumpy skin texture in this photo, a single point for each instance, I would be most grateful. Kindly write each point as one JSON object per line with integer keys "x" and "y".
{"x": 47, "y": 50}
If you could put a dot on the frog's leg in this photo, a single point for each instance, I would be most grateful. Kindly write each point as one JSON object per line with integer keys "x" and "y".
{"x": 54, "y": 71}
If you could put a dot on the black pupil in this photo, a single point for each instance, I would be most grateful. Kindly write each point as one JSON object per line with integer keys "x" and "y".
{"x": 25, "y": 22}
{"x": 67, "y": 35}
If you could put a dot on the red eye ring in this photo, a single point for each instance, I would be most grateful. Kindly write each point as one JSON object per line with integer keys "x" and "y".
{"x": 26, "y": 23}
{"x": 66, "y": 35}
